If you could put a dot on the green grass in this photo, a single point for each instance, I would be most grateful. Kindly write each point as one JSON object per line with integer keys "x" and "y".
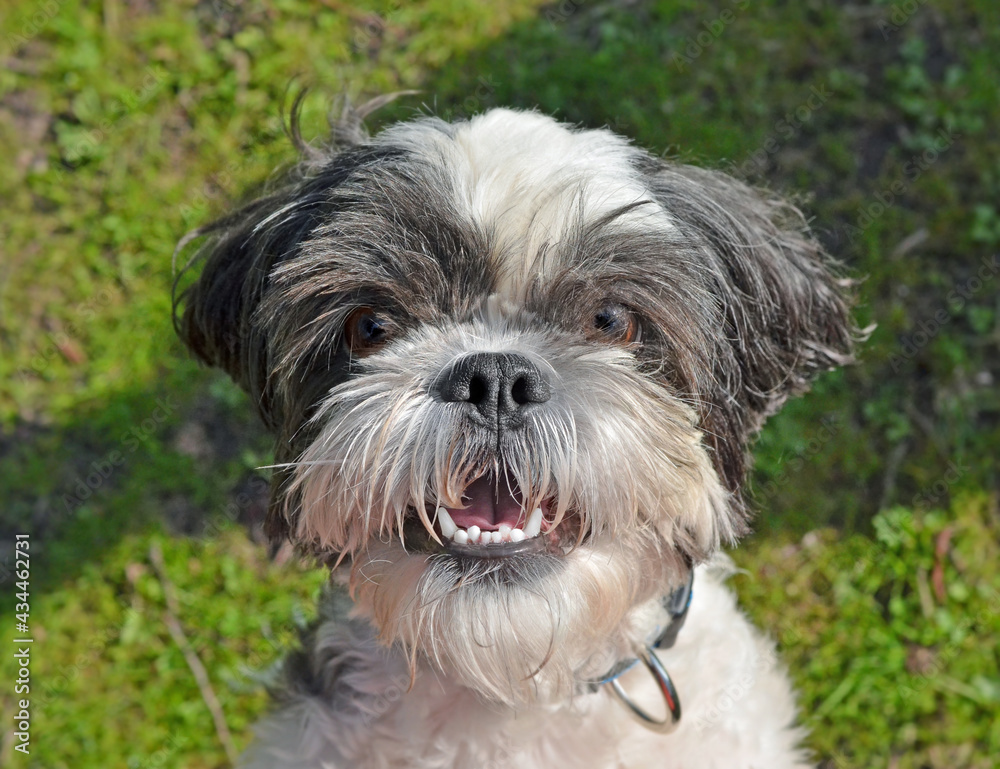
{"x": 892, "y": 640}
{"x": 110, "y": 686}
{"x": 132, "y": 123}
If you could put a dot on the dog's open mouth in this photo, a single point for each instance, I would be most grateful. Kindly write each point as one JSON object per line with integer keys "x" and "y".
{"x": 494, "y": 521}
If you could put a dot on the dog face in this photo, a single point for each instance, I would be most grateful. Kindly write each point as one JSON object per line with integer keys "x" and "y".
{"x": 513, "y": 369}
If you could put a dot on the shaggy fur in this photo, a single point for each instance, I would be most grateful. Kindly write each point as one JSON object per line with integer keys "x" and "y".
{"x": 641, "y": 319}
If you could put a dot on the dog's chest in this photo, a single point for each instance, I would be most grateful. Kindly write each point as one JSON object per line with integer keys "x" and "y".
{"x": 439, "y": 726}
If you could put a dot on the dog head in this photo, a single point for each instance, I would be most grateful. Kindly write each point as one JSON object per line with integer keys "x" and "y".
{"x": 513, "y": 369}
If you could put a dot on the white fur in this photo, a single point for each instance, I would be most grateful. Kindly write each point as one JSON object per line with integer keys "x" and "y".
{"x": 525, "y": 178}
{"x": 737, "y": 703}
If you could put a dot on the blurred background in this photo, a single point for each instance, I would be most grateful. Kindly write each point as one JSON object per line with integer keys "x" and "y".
{"x": 123, "y": 124}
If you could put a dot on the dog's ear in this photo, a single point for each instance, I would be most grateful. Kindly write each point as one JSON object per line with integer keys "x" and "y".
{"x": 782, "y": 315}
{"x": 219, "y": 316}
{"x": 216, "y": 314}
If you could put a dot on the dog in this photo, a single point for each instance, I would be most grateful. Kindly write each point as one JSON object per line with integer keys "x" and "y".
{"x": 513, "y": 368}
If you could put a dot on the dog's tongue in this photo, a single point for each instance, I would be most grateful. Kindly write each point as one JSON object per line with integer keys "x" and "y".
{"x": 488, "y": 504}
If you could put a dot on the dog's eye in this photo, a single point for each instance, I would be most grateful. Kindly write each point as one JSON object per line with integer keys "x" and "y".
{"x": 365, "y": 331}
{"x": 616, "y": 323}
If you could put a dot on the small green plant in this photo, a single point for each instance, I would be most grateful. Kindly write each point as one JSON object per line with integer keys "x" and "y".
{"x": 914, "y": 613}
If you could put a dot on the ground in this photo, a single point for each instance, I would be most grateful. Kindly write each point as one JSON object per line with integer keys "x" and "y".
{"x": 875, "y": 561}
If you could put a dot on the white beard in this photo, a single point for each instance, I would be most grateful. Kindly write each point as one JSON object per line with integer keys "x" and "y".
{"x": 738, "y": 708}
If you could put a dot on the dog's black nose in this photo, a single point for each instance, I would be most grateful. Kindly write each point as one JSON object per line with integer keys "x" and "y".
{"x": 499, "y": 385}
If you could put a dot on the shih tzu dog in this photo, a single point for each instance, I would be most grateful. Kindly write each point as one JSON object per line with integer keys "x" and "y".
{"x": 513, "y": 368}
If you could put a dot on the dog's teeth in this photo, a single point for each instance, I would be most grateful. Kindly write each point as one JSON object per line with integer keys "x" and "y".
{"x": 534, "y": 525}
{"x": 448, "y": 527}
{"x": 476, "y": 536}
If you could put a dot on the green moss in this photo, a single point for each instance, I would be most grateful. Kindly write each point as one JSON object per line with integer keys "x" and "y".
{"x": 891, "y": 640}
